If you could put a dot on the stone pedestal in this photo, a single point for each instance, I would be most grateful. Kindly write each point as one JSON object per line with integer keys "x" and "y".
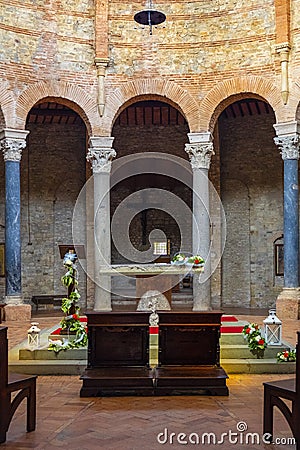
{"x": 288, "y": 304}
{"x": 19, "y": 312}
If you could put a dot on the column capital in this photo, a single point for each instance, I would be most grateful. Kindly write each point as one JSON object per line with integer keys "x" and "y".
{"x": 287, "y": 139}
{"x": 101, "y": 153}
{"x": 200, "y": 154}
{"x": 12, "y": 142}
{"x": 289, "y": 146}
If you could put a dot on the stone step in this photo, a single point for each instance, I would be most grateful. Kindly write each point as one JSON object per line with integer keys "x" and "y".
{"x": 227, "y": 351}
{"x": 232, "y": 338}
{"x": 252, "y": 366}
{"x": 44, "y": 354}
{"x": 49, "y": 367}
{"x": 232, "y": 351}
{"x": 77, "y": 367}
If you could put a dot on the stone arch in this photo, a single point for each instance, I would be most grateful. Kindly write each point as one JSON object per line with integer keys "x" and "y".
{"x": 151, "y": 89}
{"x": 218, "y": 98}
{"x": 7, "y": 108}
{"x": 70, "y": 94}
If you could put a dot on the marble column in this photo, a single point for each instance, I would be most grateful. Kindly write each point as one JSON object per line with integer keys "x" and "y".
{"x": 200, "y": 151}
{"x": 12, "y": 143}
{"x": 100, "y": 155}
{"x": 288, "y": 302}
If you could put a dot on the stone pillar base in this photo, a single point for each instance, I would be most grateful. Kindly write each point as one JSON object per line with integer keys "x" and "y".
{"x": 102, "y": 298}
{"x": 288, "y": 304}
{"x": 19, "y": 312}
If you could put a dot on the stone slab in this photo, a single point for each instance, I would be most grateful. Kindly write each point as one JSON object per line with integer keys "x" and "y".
{"x": 288, "y": 304}
{"x": 17, "y": 312}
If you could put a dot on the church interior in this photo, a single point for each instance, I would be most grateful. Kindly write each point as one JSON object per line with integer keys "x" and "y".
{"x": 150, "y": 149}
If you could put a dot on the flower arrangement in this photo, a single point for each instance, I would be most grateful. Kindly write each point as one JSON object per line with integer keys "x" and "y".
{"x": 286, "y": 356}
{"x": 256, "y": 342}
{"x": 70, "y": 324}
{"x": 178, "y": 258}
{"x": 196, "y": 260}
{"x": 182, "y": 258}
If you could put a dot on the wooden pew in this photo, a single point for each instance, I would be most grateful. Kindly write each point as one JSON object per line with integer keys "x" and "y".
{"x": 189, "y": 356}
{"x": 276, "y": 392}
{"x": 13, "y": 382}
{"x": 118, "y": 354}
{"x": 54, "y": 300}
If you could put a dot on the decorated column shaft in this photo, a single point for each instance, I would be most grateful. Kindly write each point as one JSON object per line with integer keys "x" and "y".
{"x": 289, "y": 147}
{"x": 200, "y": 150}
{"x": 100, "y": 155}
{"x": 12, "y": 144}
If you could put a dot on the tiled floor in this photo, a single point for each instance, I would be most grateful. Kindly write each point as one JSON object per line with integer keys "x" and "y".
{"x": 64, "y": 420}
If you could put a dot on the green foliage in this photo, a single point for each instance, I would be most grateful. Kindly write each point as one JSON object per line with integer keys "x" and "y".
{"x": 71, "y": 323}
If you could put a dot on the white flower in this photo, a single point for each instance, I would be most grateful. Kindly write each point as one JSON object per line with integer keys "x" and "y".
{"x": 68, "y": 262}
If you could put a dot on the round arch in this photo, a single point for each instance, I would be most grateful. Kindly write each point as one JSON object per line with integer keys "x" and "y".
{"x": 68, "y": 94}
{"x": 153, "y": 89}
{"x": 235, "y": 89}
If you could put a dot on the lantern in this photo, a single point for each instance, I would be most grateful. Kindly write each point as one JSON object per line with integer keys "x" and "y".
{"x": 273, "y": 328}
{"x": 33, "y": 336}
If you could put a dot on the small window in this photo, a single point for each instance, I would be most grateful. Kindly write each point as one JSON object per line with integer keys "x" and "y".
{"x": 278, "y": 257}
{"x": 2, "y": 260}
{"x": 162, "y": 247}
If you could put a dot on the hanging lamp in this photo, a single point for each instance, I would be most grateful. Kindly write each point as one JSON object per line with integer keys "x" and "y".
{"x": 149, "y": 17}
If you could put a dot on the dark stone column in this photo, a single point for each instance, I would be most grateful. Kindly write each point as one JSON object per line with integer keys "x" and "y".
{"x": 288, "y": 301}
{"x": 13, "y": 285}
{"x": 12, "y": 143}
{"x": 291, "y": 224}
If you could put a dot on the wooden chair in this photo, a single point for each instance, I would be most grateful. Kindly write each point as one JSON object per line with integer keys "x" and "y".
{"x": 277, "y": 391}
{"x": 13, "y": 382}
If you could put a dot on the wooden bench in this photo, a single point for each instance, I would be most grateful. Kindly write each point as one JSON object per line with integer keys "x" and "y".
{"x": 276, "y": 392}
{"x": 13, "y": 382}
{"x": 47, "y": 300}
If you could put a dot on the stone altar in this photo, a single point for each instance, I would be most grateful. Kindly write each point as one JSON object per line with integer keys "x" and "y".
{"x": 161, "y": 277}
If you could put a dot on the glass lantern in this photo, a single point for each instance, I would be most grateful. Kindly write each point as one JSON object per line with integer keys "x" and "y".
{"x": 272, "y": 328}
{"x": 33, "y": 336}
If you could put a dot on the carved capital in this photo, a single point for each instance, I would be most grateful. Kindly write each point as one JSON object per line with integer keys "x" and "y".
{"x": 101, "y": 158}
{"x": 289, "y": 146}
{"x": 200, "y": 154}
{"x": 12, "y": 148}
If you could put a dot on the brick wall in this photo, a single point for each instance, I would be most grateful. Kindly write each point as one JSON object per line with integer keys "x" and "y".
{"x": 55, "y": 157}
{"x": 134, "y": 139}
{"x": 252, "y": 193}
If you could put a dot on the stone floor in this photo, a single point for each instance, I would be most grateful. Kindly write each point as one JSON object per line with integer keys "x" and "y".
{"x": 64, "y": 420}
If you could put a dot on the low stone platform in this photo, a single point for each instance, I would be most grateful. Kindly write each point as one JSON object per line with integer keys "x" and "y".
{"x": 236, "y": 357}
